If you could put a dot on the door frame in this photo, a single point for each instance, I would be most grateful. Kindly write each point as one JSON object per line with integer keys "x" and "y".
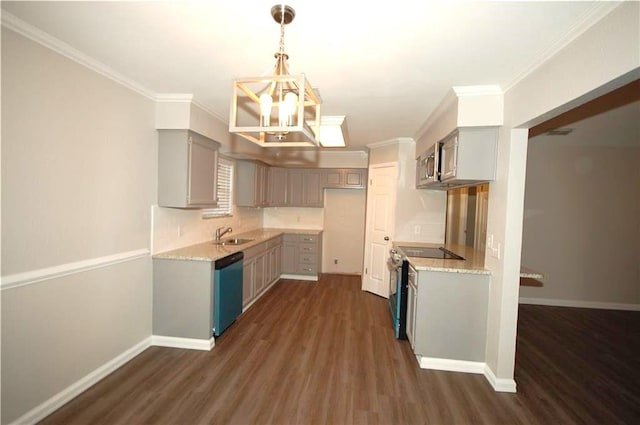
{"x": 367, "y": 237}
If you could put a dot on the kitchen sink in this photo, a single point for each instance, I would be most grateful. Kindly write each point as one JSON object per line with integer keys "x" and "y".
{"x": 233, "y": 241}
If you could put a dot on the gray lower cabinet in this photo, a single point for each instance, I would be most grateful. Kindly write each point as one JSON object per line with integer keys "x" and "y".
{"x": 187, "y": 169}
{"x": 447, "y": 315}
{"x": 302, "y": 254}
{"x": 183, "y": 298}
{"x": 259, "y": 269}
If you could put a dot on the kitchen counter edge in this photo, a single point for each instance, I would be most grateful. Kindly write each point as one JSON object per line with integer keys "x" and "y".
{"x": 473, "y": 262}
{"x": 208, "y": 251}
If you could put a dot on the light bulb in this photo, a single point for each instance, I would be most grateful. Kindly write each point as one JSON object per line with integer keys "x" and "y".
{"x": 265, "y": 109}
{"x": 288, "y": 109}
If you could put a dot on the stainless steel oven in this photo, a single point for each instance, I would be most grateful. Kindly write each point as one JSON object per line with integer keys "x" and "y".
{"x": 399, "y": 269}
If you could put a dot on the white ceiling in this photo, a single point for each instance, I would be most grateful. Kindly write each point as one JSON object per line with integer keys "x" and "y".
{"x": 385, "y": 65}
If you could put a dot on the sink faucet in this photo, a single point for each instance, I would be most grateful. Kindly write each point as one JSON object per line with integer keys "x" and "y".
{"x": 220, "y": 233}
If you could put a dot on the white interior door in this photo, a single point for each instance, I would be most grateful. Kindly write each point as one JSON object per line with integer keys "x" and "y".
{"x": 380, "y": 220}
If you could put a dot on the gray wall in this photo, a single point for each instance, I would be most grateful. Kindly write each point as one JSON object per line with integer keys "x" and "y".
{"x": 582, "y": 214}
{"x": 78, "y": 179}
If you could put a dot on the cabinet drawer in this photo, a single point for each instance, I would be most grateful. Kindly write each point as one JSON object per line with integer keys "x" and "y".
{"x": 308, "y": 258}
{"x": 307, "y": 248}
{"x": 308, "y": 269}
{"x": 308, "y": 238}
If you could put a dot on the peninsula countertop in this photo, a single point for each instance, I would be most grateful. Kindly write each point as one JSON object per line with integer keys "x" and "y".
{"x": 209, "y": 251}
{"x": 473, "y": 261}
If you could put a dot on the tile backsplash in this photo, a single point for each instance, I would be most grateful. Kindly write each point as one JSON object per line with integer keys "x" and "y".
{"x": 174, "y": 228}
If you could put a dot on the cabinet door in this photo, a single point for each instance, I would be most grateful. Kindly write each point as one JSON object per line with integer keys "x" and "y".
{"x": 289, "y": 257}
{"x": 313, "y": 194}
{"x": 294, "y": 188}
{"x": 355, "y": 179}
{"x": 260, "y": 273}
{"x": 251, "y": 184}
{"x": 448, "y": 158}
{"x": 333, "y": 178}
{"x": 262, "y": 185}
{"x": 412, "y": 304}
{"x": 277, "y": 182}
{"x": 203, "y": 165}
{"x": 187, "y": 169}
{"x": 344, "y": 178}
{"x": 278, "y": 261}
{"x": 248, "y": 281}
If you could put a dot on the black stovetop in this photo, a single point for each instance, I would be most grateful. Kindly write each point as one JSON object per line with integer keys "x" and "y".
{"x": 426, "y": 252}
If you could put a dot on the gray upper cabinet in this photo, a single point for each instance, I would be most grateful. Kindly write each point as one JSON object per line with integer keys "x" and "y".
{"x": 252, "y": 184}
{"x": 259, "y": 185}
{"x": 294, "y": 187}
{"x": 312, "y": 190}
{"x": 187, "y": 170}
{"x": 469, "y": 155}
{"x": 345, "y": 178}
{"x": 304, "y": 187}
{"x": 277, "y": 193}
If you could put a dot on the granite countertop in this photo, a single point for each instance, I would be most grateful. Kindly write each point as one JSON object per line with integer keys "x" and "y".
{"x": 208, "y": 251}
{"x": 473, "y": 259}
{"x": 473, "y": 262}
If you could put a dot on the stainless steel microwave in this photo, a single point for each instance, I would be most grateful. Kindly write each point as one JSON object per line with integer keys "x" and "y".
{"x": 428, "y": 166}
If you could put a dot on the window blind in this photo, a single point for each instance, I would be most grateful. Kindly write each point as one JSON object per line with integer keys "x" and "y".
{"x": 225, "y": 190}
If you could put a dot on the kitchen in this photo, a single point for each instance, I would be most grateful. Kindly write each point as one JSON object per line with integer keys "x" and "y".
{"x": 58, "y": 210}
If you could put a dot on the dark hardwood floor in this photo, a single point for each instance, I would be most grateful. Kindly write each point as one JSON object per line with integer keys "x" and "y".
{"x": 324, "y": 353}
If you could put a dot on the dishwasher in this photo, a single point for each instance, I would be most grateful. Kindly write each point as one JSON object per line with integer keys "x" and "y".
{"x": 227, "y": 291}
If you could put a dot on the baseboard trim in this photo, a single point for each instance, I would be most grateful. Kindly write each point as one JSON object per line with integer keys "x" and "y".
{"x": 450, "y": 365}
{"x": 57, "y": 401}
{"x": 188, "y": 343}
{"x": 580, "y": 304}
{"x": 480, "y": 368}
{"x": 499, "y": 384}
{"x": 27, "y": 278}
{"x": 299, "y": 277}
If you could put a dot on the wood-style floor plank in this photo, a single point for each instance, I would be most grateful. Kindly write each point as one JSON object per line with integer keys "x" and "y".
{"x": 324, "y": 353}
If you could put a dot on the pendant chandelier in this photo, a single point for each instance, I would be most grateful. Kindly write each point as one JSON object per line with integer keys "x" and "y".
{"x": 277, "y": 110}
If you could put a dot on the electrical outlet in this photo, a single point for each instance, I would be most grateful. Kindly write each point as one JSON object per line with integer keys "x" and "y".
{"x": 416, "y": 229}
{"x": 335, "y": 261}
{"x": 180, "y": 230}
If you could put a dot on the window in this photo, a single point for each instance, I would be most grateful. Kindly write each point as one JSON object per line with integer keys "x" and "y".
{"x": 225, "y": 190}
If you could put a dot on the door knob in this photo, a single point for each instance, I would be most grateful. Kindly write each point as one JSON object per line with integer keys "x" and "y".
{"x": 386, "y": 238}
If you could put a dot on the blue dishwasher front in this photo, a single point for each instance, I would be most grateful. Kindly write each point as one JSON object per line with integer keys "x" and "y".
{"x": 227, "y": 293}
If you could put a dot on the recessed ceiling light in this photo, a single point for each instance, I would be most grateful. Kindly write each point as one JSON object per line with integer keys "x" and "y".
{"x": 560, "y": 131}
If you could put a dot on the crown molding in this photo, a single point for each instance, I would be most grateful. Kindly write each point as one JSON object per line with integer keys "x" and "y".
{"x": 19, "y": 26}
{"x": 469, "y": 91}
{"x": 211, "y": 112}
{"x": 174, "y": 97}
{"x": 596, "y": 13}
{"x": 391, "y": 142}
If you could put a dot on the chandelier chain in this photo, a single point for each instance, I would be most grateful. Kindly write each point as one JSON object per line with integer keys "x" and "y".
{"x": 282, "y": 30}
